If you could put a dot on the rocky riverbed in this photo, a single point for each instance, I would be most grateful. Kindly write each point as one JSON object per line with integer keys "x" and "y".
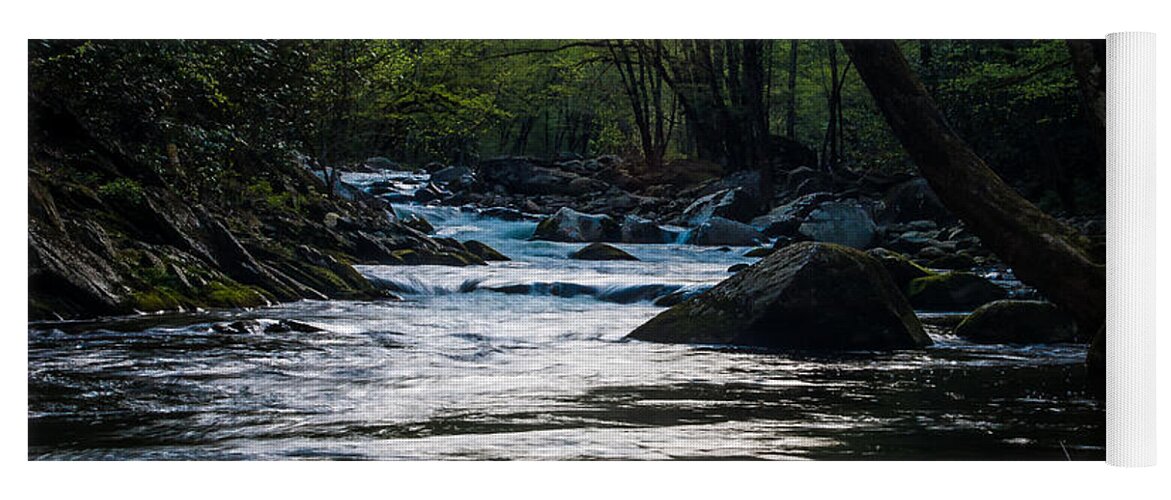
{"x": 528, "y": 358}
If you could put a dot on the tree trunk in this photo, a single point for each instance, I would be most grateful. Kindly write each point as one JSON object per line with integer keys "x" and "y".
{"x": 1042, "y": 251}
{"x": 1089, "y": 64}
{"x": 791, "y": 105}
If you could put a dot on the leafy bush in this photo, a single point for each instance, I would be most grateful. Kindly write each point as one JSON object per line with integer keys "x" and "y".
{"x": 123, "y": 191}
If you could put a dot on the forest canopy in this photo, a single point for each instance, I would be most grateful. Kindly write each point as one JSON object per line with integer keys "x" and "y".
{"x": 460, "y": 101}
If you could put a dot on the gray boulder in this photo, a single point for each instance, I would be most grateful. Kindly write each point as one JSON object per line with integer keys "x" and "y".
{"x": 806, "y": 296}
{"x": 455, "y": 176}
{"x": 913, "y": 200}
{"x": 639, "y": 230}
{"x": 721, "y": 231}
{"x": 784, "y": 220}
{"x": 734, "y": 204}
{"x": 570, "y": 225}
{"x": 844, "y": 223}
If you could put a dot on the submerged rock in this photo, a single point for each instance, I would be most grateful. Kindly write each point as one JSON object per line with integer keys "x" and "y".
{"x": 247, "y": 326}
{"x": 601, "y": 251}
{"x": 484, "y": 251}
{"x": 806, "y": 296}
{"x": 953, "y": 291}
{"x": 1018, "y": 322}
{"x": 570, "y": 225}
{"x": 721, "y": 231}
{"x": 289, "y": 325}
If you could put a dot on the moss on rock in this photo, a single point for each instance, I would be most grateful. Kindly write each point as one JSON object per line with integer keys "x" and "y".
{"x": 901, "y": 268}
{"x": 1018, "y": 322}
{"x": 806, "y": 296}
{"x": 953, "y": 291}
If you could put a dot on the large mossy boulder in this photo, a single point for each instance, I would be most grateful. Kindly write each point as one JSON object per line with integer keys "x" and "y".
{"x": 601, "y": 251}
{"x": 813, "y": 296}
{"x": 953, "y": 291}
{"x": 569, "y": 225}
{"x": 1018, "y": 322}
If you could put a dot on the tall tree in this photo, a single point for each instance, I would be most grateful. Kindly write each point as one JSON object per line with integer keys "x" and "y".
{"x": 636, "y": 62}
{"x": 1043, "y": 252}
{"x": 791, "y": 104}
{"x": 720, "y": 86}
{"x": 831, "y": 146}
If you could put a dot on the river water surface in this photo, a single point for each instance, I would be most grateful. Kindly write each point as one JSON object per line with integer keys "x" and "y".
{"x": 526, "y": 360}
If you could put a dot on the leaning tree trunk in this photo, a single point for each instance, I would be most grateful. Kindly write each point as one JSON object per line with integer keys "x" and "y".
{"x": 1043, "y": 252}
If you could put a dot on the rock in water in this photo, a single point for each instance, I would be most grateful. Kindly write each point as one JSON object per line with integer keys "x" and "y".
{"x": 953, "y": 292}
{"x": 455, "y": 176}
{"x": 601, "y": 251}
{"x": 805, "y": 296}
{"x": 484, "y": 251}
{"x": 721, "y": 231}
{"x": 418, "y": 223}
{"x": 734, "y": 204}
{"x": 901, "y": 269}
{"x": 842, "y": 223}
{"x": 573, "y": 226}
{"x": 1018, "y": 322}
{"x": 639, "y": 230}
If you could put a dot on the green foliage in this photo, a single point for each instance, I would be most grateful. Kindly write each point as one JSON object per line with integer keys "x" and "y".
{"x": 123, "y": 191}
{"x": 262, "y": 191}
{"x": 228, "y": 106}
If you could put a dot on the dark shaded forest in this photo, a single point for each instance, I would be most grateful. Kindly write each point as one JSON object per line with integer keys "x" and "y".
{"x": 734, "y": 103}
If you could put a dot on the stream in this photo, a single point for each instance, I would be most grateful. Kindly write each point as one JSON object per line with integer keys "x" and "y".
{"x": 526, "y": 360}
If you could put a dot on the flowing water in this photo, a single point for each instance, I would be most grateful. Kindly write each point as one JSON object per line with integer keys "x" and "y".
{"x": 526, "y": 360}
